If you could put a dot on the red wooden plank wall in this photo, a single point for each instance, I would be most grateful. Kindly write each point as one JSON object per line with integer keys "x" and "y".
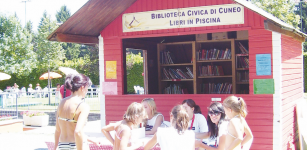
{"x": 292, "y": 85}
{"x": 260, "y": 107}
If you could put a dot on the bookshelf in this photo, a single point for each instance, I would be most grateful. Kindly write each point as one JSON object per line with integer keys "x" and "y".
{"x": 215, "y": 67}
{"x": 176, "y": 68}
{"x": 203, "y": 67}
{"x": 242, "y": 66}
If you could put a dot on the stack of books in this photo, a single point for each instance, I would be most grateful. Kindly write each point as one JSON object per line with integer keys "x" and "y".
{"x": 213, "y": 54}
{"x": 211, "y": 70}
{"x": 243, "y": 76}
{"x": 177, "y": 74}
{"x": 243, "y": 62}
{"x": 216, "y": 88}
{"x": 242, "y": 49}
{"x": 167, "y": 57}
{"x": 175, "y": 89}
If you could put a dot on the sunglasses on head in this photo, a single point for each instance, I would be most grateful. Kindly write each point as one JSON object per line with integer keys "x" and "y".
{"x": 211, "y": 113}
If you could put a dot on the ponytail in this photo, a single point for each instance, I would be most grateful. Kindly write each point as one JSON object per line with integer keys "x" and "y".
{"x": 192, "y": 104}
{"x": 197, "y": 109}
{"x": 237, "y": 104}
{"x": 243, "y": 110}
{"x": 180, "y": 119}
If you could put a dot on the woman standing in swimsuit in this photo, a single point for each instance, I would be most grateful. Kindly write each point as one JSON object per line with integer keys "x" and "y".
{"x": 132, "y": 118}
{"x": 72, "y": 115}
{"x": 235, "y": 109}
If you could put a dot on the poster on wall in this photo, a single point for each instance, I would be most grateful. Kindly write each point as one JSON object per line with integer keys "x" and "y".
{"x": 111, "y": 70}
{"x": 264, "y": 86}
{"x": 227, "y": 14}
{"x": 263, "y": 64}
{"x": 109, "y": 88}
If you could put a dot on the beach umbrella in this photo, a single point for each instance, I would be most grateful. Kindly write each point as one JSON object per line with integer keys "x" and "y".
{"x": 68, "y": 71}
{"x": 53, "y": 75}
{"x": 4, "y": 76}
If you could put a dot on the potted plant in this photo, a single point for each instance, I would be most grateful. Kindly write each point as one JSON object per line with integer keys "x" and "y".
{"x": 35, "y": 118}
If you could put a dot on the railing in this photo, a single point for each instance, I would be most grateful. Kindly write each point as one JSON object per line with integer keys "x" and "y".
{"x": 12, "y": 103}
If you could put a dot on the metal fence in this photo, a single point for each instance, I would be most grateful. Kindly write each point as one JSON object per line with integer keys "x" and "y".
{"x": 11, "y": 103}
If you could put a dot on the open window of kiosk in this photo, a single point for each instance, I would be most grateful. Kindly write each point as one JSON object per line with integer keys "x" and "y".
{"x": 211, "y": 63}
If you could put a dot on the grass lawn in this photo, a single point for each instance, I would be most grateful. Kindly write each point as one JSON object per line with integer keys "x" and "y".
{"x": 42, "y": 104}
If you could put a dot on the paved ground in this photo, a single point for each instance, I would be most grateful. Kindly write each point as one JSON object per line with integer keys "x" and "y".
{"x": 35, "y": 139}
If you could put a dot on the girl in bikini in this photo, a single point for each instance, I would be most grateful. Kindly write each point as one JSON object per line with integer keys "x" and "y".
{"x": 235, "y": 109}
{"x": 72, "y": 116}
{"x": 132, "y": 118}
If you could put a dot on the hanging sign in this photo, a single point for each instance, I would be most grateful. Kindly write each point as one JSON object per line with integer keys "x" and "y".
{"x": 110, "y": 69}
{"x": 263, "y": 64}
{"x": 264, "y": 86}
{"x": 184, "y": 17}
{"x": 109, "y": 88}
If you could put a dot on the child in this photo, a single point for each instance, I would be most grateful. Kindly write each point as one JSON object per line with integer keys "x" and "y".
{"x": 133, "y": 117}
{"x": 217, "y": 128}
{"x": 235, "y": 109}
{"x": 155, "y": 119}
{"x": 176, "y": 137}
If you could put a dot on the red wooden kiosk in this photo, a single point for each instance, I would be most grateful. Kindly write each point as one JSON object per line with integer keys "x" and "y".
{"x": 217, "y": 47}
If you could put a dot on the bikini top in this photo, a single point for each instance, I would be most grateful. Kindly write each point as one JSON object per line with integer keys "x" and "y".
{"x": 118, "y": 133}
{"x": 229, "y": 132}
{"x": 73, "y": 118}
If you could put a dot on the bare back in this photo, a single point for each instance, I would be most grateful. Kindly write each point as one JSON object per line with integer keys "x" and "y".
{"x": 69, "y": 108}
{"x": 122, "y": 131}
{"x": 235, "y": 131}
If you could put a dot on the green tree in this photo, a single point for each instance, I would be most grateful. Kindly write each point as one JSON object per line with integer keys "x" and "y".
{"x": 29, "y": 27}
{"x": 134, "y": 67}
{"x": 71, "y": 49}
{"x": 301, "y": 9}
{"x": 63, "y": 14}
{"x": 16, "y": 50}
{"x": 282, "y": 9}
{"x": 49, "y": 54}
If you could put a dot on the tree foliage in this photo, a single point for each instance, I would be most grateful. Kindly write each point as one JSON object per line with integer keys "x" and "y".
{"x": 63, "y": 14}
{"x": 16, "y": 50}
{"x": 134, "y": 67}
{"x": 282, "y": 9}
{"x": 49, "y": 53}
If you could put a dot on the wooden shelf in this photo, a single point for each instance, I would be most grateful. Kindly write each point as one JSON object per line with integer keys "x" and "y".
{"x": 242, "y": 82}
{"x": 242, "y": 68}
{"x": 241, "y": 54}
{"x": 242, "y": 39}
{"x": 227, "y": 76}
{"x": 219, "y": 60}
{"x": 183, "y": 64}
{"x": 177, "y": 80}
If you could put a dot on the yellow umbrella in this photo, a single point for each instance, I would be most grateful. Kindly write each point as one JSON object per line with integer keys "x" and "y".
{"x": 53, "y": 75}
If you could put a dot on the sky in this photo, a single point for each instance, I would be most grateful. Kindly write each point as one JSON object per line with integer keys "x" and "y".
{"x": 35, "y": 9}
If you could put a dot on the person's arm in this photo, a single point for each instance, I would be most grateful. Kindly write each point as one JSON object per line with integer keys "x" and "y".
{"x": 151, "y": 143}
{"x": 248, "y": 135}
{"x": 57, "y": 132}
{"x": 96, "y": 142}
{"x": 203, "y": 135}
{"x": 221, "y": 145}
{"x": 106, "y": 131}
{"x": 82, "y": 119}
{"x": 238, "y": 134}
{"x": 158, "y": 122}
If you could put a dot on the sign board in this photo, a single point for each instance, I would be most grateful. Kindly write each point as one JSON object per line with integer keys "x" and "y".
{"x": 264, "y": 86}
{"x": 109, "y": 88}
{"x": 111, "y": 70}
{"x": 214, "y": 15}
{"x": 263, "y": 64}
